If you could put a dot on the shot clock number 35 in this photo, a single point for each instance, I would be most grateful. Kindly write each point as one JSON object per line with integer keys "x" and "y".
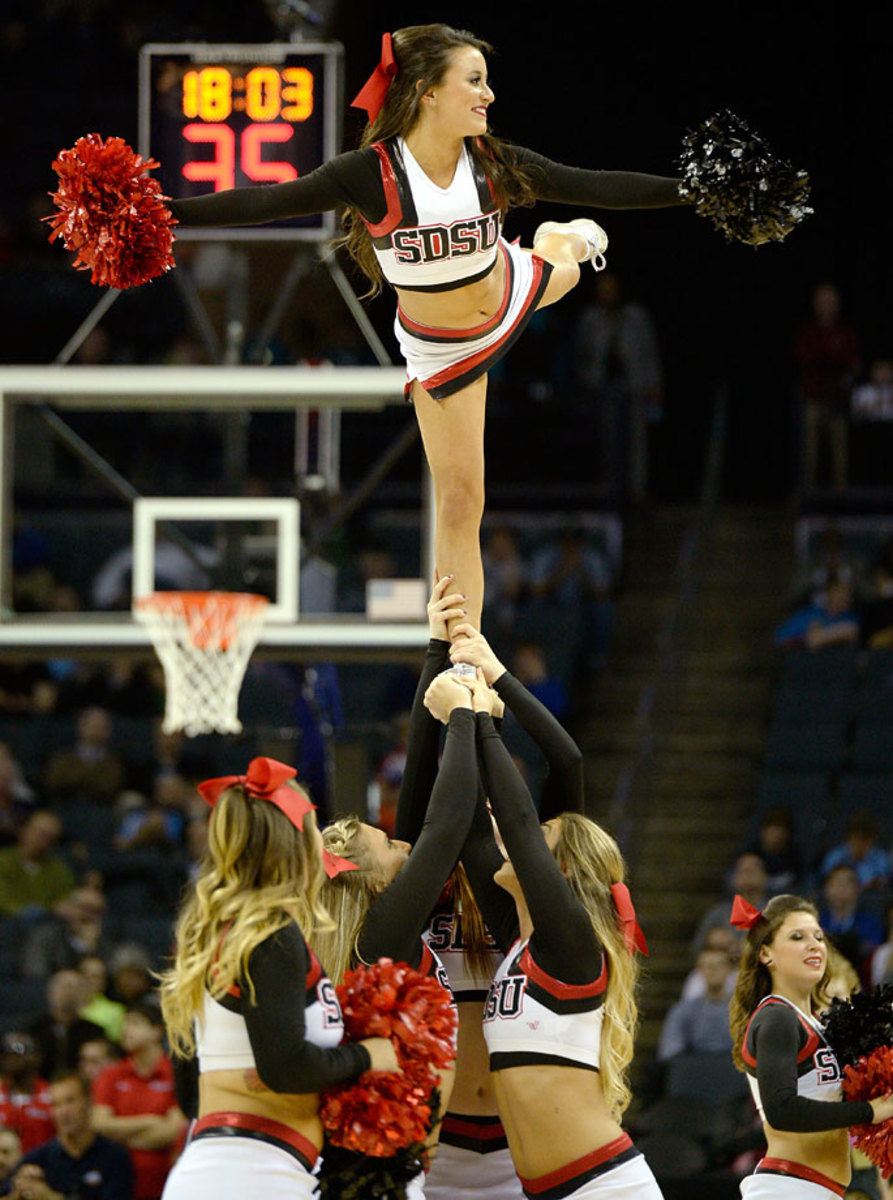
{"x": 217, "y": 117}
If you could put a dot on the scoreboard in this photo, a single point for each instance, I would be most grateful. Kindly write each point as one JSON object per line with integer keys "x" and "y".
{"x": 223, "y": 116}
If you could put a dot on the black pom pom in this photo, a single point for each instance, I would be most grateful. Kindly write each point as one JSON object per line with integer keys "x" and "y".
{"x": 346, "y": 1175}
{"x": 738, "y": 184}
{"x": 856, "y": 1027}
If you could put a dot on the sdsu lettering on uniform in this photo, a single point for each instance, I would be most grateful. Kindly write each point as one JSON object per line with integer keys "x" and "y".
{"x": 818, "y": 1072}
{"x": 444, "y": 937}
{"x": 435, "y": 242}
{"x": 561, "y": 1022}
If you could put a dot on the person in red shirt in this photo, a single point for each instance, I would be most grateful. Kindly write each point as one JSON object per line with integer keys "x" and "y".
{"x": 25, "y": 1104}
{"x": 134, "y": 1102}
{"x": 828, "y": 356}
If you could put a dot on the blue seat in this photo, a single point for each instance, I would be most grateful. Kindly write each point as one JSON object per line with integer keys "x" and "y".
{"x": 872, "y": 746}
{"x": 821, "y": 746}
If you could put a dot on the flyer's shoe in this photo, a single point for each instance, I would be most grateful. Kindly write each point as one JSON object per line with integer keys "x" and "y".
{"x": 591, "y": 233}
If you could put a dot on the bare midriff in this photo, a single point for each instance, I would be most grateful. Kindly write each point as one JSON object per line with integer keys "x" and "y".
{"x": 458, "y": 308}
{"x": 473, "y": 1090}
{"x": 552, "y": 1116}
{"x": 828, "y": 1152}
{"x": 242, "y": 1091}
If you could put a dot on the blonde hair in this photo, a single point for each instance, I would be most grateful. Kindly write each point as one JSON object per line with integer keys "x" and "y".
{"x": 470, "y": 926}
{"x": 754, "y": 982}
{"x": 591, "y": 861}
{"x": 259, "y": 873}
{"x": 347, "y": 897}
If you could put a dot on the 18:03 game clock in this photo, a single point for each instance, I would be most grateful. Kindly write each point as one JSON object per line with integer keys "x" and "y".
{"x": 222, "y": 116}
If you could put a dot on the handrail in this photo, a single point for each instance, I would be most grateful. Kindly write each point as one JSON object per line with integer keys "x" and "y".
{"x": 622, "y": 814}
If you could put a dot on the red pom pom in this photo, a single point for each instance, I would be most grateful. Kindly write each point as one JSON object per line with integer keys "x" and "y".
{"x": 111, "y": 213}
{"x": 872, "y": 1076}
{"x": 381, "y": 1113}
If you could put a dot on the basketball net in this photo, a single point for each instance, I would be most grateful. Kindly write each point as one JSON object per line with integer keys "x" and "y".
{"x": 204, "y": 641}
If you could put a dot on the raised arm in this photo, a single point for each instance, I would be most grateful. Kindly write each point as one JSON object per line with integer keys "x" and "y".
{"x": 423, "y": 741}
{"x": 561, "y": 752}
{"x": 397, "y": 917}
{"x": 563, "y": 940}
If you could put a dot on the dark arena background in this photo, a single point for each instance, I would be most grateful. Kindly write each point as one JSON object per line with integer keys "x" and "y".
{"x": 703, "y": 600}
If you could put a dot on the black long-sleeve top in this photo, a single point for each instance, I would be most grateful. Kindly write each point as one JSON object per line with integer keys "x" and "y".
{"x": 563, "y": 943}
{"x": 790, "y": 1062}
{"x": 561, "y": 752}
{"x": 354, "y": 179}
{"x": 397, "y": 917}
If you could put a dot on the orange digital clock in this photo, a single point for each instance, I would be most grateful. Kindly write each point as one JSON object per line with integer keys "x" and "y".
{"x": 222, "y": 116}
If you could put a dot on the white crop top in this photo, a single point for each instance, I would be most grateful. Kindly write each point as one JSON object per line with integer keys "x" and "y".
{"x": 444, "y": 937}
{"x": 434, "y": 238}
{"x": 221, "y": 1035}
{"x": 532, "y": 1017}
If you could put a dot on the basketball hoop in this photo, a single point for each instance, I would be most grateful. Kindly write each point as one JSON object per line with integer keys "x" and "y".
{"x": 204, "y": 641}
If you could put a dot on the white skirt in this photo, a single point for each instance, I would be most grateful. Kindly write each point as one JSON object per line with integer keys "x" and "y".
{"x": 458, "y": 1174}
{"x": 446, "y": 360}
{"x": 237, "y": 1168}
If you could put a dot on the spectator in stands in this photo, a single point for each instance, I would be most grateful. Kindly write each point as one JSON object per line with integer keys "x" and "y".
{"x": 24, "y": 1095}
{"x": 724, "y": 939}
{"x": 60, "y": 1031}
{"x": 130, "y": 969}
{"x": 17, "y": 799}
{"x": 135, "y": 1102}
{"x": 91, "y": 769}
{"x": 828, "y": 355}
{"x": 10, "y": 1153}
{"x": 830, "y": 559}
{"x": 855, "y": 931}
{"x": 157, "y": 823}
{"x": 776, "y": 846}
{"x": 619, "y": 369}
{"x": 77, "y": 928}
{"x": 77, "y": 1162}
{"x": 33, "y": 879}
{"x": 881, "y": 966}
{"x": 571, "y": 574}
{"x": 873, "y": 399}
{"x": 95, "y": 1056}
{"x": 98, "y": 1007}
{"x": 26, "y": 689}
{"x": 748, "y": 878}
{"x": 531, "y": 668}
{"x": 389, "y": 776}
{"x": 877, "y": 607}
{"x": 829, "y": 619}
{"x": 860, "y": 850}
{"x": 503, "y": 577}
{"x": 701, "y": 1025}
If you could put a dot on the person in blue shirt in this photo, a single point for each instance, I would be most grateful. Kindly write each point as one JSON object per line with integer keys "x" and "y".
{"x": 860, "y": 850}
{"x": 77, "y": 1162}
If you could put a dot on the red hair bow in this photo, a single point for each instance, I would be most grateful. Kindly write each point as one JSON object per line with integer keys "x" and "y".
{"x": 744, "y": 915}
{"x": 333, "y": 864}
{"x": 371, "y": 95}
{"x": 265, "y": 779}
{"x": 635, "y": 939}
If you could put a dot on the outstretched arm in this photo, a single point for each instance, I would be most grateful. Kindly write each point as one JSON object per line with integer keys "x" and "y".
{"x": 350, "y": 179}
{"x": 598, "y": 189}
